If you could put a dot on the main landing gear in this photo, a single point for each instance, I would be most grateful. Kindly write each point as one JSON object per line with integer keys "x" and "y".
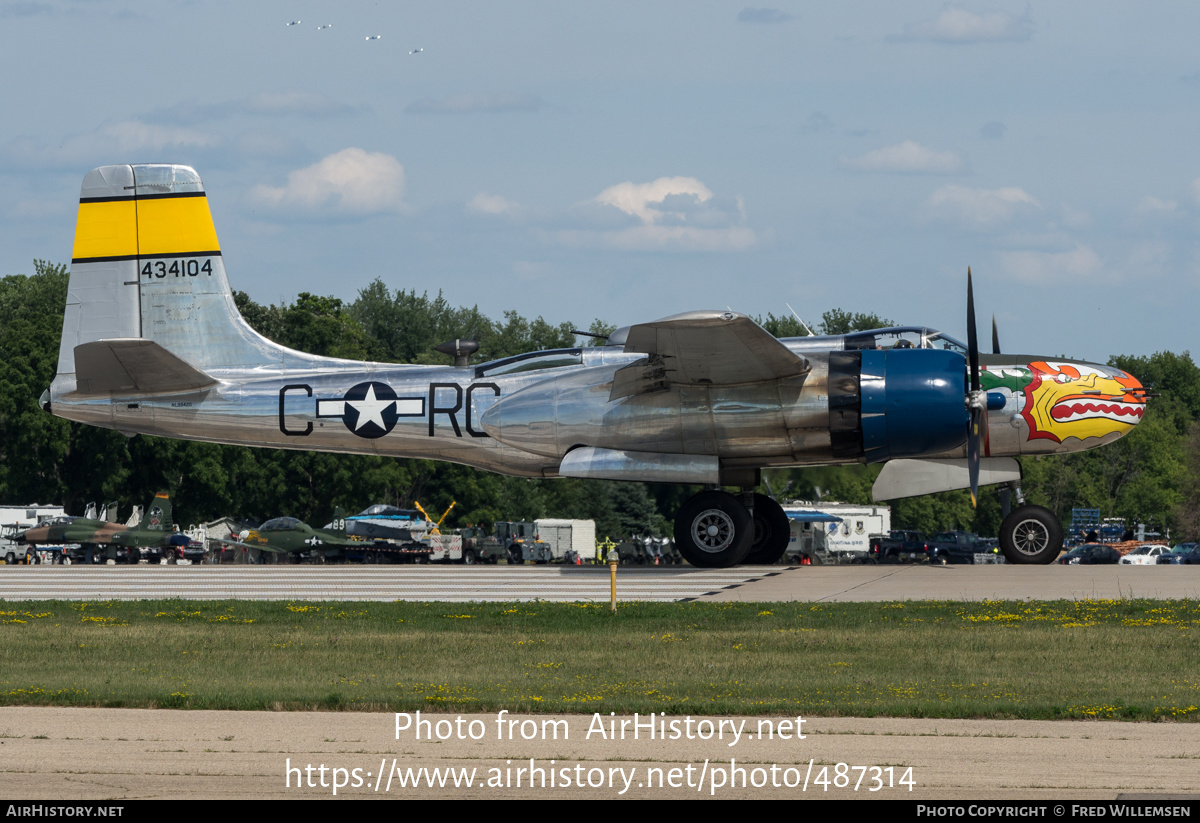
{"x": 1030, "y": 534}
{"x": 716, "y": 530}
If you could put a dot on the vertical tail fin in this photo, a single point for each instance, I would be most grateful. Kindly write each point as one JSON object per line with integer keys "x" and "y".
{"x": 338, "y": 526}
{"x": 146, "y": 266}
{"x": 158, "y": 515}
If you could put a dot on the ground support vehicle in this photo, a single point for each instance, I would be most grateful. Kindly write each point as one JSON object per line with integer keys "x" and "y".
{"x": 383, "y": 553}
{"x": 899, "y": 546}
{"x": 647, "y": 551}
{"x": 445, "y": 548}
{"x": 513, "y": 541}
{"x": 568, "y": 536}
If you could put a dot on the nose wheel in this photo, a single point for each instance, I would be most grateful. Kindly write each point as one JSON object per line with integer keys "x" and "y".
{"x": 1031, "y": 535}
{"x": 713, "y": 530}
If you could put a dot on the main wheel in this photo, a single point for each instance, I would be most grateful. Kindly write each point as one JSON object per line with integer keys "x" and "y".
{"x": 713, "y": 530}
{"x": 772, "y": 532}
{"x": 1031, "y": 535}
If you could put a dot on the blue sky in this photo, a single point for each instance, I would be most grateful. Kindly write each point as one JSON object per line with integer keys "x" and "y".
{"x": 629, "y": 161}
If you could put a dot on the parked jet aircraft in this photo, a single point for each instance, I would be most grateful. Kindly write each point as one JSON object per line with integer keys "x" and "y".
{"x": 286, "y": 535}
{"x": 117, "y": 540}
{"x": 153, "y": 343}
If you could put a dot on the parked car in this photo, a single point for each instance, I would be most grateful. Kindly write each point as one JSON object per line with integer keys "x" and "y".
{"x": 1180, "y": 556}
{"x": 1146, "y": 554}
{"x": 1090, "y": 554}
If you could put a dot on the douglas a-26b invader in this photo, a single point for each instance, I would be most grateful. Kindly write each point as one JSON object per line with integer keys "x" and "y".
{"x": 153, "y": 343}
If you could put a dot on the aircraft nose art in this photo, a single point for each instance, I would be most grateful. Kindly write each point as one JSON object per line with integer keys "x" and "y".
{"x": 1081, "y": 401}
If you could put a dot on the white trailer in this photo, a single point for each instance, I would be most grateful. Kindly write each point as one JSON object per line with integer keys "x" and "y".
{"x": 569, "y": 535}
{"x": 16, "y": 519}
{"x": 844, "y": 528}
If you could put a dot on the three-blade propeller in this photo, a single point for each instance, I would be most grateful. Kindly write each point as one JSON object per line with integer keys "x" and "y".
{"x": 976, "y": 396}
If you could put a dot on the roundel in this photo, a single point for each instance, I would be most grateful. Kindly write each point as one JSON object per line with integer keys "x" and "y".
{"x": 155, "y": 516}
{"x": 370, "y": 409}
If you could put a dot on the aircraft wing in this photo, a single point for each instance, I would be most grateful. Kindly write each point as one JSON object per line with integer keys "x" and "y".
{"x": 703, "y": 348}
{"x": 261, "y": 547}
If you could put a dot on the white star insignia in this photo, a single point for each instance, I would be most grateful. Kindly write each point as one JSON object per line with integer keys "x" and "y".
{"x": 370, "y": 410}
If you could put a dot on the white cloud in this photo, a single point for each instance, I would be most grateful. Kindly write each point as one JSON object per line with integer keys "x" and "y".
{"x": 907, "y": 158}
{"x": 980, "y": 206}
{"x": 672, "y": 214}
{"x": 484, "y": 203}
{"x": 1041, "y": 267}
{"x": 352, "y": 181}
{"x": 638, "y": 199}
{"x": 957, "y": 25}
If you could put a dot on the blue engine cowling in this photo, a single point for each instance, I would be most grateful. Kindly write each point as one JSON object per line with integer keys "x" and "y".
{"x": 898, "y": 403}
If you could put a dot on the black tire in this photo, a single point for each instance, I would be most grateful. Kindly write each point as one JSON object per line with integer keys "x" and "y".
{"x": 1031, "y": 535}
{"x": 468, "y": 557}
{"x": 772, "y": 532}
{"x": 516, "y": 557}
{"x": 713, "y": 530}
{"x": 10, "y": 559}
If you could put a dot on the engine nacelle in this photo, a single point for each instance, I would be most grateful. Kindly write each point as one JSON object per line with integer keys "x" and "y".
{"x": 898, "y": 403}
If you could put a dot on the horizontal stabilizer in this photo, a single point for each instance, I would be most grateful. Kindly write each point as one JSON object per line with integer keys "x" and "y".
{"x": 704, "y": 348}
{"x": 134, "y": 365}
{"x": 911, "y": 478}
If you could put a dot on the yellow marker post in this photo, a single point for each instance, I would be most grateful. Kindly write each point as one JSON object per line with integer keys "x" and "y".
{"x": 612, "y": 579}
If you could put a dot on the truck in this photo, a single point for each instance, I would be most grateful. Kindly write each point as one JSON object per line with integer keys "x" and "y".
{"x": 515, "y": 541}
{"x": 569, "y": 539}
{"x": 962, "y": 547}
{"x": 899, "y": 545}
{"x": 825, "y": 530}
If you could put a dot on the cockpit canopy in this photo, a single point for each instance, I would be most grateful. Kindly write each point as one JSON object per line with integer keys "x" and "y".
{"x": 280, "y": 524}
{"x": 903, "y": 337}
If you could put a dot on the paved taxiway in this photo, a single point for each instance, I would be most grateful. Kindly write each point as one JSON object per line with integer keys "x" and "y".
{"x": 590, "y": 583}
{"x": 134, "y": 753}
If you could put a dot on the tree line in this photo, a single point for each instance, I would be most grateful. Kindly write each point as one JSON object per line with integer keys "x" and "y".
{"x": 1150, "y": 475}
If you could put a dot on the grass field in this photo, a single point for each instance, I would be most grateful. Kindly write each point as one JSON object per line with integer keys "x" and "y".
{"x": 1129, "y": 659}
